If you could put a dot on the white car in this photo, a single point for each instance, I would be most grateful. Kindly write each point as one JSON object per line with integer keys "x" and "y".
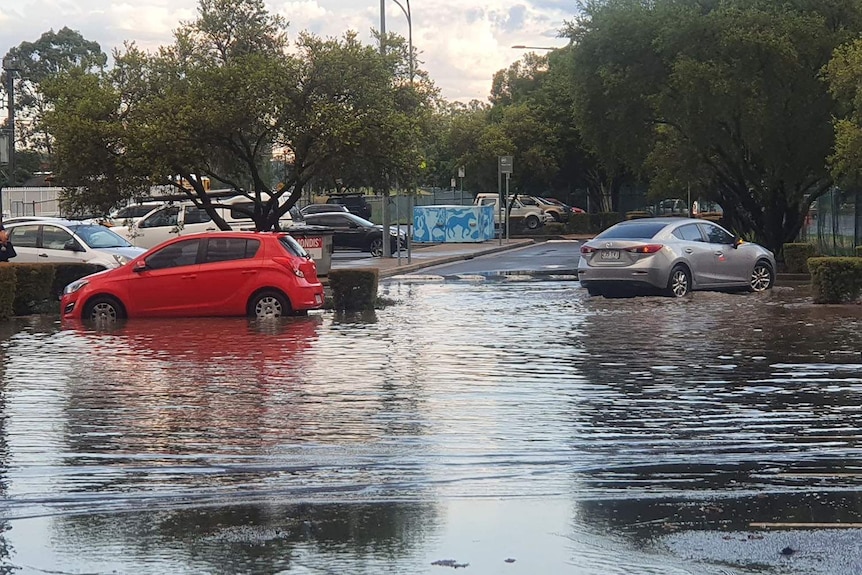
{"x": 132, "y": 213}
{"x": 183, "y": 218}
{"x": 55, "y": 240}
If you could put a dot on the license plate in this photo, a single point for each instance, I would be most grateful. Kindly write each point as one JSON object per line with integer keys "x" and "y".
{"x": 610, "y": 254}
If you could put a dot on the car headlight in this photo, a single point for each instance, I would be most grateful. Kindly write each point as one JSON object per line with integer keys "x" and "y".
{"x": 122, "y": 260}
{"x": 74, "y": 286}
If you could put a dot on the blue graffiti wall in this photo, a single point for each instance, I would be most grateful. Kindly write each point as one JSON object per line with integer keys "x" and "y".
{"x": 455, "y": 224}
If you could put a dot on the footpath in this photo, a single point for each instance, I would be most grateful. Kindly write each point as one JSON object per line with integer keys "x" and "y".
{"x": 426, "y": 255}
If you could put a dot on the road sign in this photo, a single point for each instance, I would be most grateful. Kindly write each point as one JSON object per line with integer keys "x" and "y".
{"x": 505, "y": 164}
{"x": 461, "y": 171}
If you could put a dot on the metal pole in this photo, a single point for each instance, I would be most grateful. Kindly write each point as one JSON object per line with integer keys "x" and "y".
{"x": 387, "y": 252}
{"x": 507, "y": 207}
{"x": 500, "y": 203}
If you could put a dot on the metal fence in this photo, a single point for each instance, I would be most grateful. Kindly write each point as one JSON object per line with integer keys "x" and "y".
{"x": 834, "y": 223}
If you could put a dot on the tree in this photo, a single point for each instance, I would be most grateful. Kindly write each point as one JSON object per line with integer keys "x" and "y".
{"x": 217, "y": 103}
{"x": 725, "y": 95}
{"x": 52, "y": 54}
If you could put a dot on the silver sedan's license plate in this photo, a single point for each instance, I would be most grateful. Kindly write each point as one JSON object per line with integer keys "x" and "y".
{"x": 610, "y": 254}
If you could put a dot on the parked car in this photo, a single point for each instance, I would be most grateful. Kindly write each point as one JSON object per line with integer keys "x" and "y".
{"x": 565, "y": 206}
{"x": 674, "y": 255}
{"x": 132, "y": 213}
{"x": 533, "y": 215}
{"x": 323, "y": 208}
{"x": 559, "y": 213}
{"x": 355, "y": 204}
{"x": 353, "y": 232}
{"x": 260, "y": 275}
{"x": 56, "y": 240}
{"x": 183, "y": 218}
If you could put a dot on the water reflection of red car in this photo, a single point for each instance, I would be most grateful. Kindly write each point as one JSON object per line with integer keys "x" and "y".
{"x": 209, "y": 274}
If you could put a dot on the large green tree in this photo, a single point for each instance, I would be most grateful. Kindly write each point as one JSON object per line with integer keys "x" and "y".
{"x": 219, "y": 103}
{"x": 722, "y": 95}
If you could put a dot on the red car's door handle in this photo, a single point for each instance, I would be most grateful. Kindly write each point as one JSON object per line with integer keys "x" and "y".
{"x": 248, "y": 272}
{"x": 189, "y": 277}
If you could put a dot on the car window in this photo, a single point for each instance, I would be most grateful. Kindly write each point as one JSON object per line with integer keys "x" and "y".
{"x": 334, "y": 220}
{"x": 133, "y": 212}
{"x": 293, "y": 247}
{"x": 165, "y": 217}
{"x": 24, "y": 236}
{"x": 99, "y": 236}
{"x": 632, "y": 231}
{"x": 689, "y": 232}
{"x": 226, "y": 249}
{"x": 54, "y": 238}
{"x": 488, "y": 201}
{"x": 716, "y": 235}
{"x": 240, "y": 211}
{"x": 195, "y": 215}
{"x": 183, "y": 253}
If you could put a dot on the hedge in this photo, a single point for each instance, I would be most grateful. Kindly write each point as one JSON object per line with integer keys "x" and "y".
{"x": 354, "y": 289}
{"x": 592, "y": 223}
{"x": 796, "y": 257}
{"x": 836, "y": 279}
{"x": 36, "y": 288}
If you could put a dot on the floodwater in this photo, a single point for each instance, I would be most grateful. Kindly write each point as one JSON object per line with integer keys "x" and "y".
{"x": 516, "y": 427}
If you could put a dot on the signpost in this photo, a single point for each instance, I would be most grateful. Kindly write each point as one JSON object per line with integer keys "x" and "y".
{"x": 504, "y": 166}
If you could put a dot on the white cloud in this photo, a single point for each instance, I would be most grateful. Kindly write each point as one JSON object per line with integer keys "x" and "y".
{"x": 461, "y": 42}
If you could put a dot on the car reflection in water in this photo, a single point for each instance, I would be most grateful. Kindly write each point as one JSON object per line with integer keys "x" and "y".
{"x": 188, "y": 378}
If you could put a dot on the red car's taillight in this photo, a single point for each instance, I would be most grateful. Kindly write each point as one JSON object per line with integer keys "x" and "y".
{"x": 647, "y": 249}
{"x": 290, "y": 265}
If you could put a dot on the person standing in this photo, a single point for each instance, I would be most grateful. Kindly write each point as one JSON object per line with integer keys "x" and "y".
{"x": 7, "y": 250}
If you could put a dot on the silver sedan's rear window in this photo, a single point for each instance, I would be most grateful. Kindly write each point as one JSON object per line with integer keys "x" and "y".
{"x": 633, "y": 231}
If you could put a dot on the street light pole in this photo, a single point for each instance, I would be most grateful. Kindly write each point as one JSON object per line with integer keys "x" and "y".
{"x": 9, "y": 67}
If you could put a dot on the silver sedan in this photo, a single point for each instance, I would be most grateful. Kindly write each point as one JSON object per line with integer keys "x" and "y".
{"x": 673, "y": 255}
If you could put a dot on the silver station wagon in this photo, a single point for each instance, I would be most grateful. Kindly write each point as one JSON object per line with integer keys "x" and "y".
{"x": 674, "y": 256}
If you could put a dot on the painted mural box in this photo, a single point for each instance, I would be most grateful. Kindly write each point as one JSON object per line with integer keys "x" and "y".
{"x": 453, "y": 224}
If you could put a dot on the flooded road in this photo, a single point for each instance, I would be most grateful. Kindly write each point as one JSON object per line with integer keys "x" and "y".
{"x": 514, "y": 427}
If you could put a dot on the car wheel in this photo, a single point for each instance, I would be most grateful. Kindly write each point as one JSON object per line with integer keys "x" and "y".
{"x": 595, "y": 291}
{"x": 268, "y": 304}
{"x": 103, "y": 309}
{"x": 532, "y": 222}
{"x": 762, "y": 277}
{"x": 376, "y": 247}
{"x": 679, "y": 284}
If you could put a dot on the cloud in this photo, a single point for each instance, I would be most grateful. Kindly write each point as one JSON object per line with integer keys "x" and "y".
{"x": 461, "y": 42}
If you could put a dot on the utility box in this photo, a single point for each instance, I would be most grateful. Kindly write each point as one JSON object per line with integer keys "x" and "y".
{"x": 317, "y": 241}
{"x": 453, "y": 224}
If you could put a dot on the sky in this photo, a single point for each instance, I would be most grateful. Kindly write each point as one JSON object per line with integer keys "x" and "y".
{"x": 461, "y": 43}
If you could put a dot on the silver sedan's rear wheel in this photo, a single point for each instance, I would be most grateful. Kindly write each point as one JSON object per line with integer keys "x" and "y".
{"x": 679, "y": 283}
{"x": 762, "y": 277}
{"x": 268, "y": 304}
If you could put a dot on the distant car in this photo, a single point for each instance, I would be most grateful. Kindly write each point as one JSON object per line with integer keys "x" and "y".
{"x": 673, "y": 255}
{"x": 572, "y": 209}
{"x": 323, "y": 208}
{"x": 355, "y": 204}
{"x": 260, "y": 275}
{"x": 357, "y": 233}
{"x": 56, "y": 240}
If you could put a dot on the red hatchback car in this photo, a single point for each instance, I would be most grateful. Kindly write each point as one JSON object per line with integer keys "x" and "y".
{"x": 209, "y": 274}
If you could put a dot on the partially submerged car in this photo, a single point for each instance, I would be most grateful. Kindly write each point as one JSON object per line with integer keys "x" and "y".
{"x": 674, "y": 256}
{"x": 261, "y": 275}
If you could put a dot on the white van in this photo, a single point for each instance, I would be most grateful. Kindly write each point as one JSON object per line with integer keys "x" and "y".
{"x": 182, "y": 218}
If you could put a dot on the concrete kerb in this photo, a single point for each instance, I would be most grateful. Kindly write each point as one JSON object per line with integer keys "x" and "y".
{"x": 389, "y": 272}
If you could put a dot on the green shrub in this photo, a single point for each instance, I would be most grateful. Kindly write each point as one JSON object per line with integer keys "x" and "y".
{"x": 859, "y": 251}
{"x": 32, "y": 287}
{"x": 7, "y": 290}
{"x": 796, "y": 257}
{"x": 835, "y": 279}
{"x": 353, "y": 289}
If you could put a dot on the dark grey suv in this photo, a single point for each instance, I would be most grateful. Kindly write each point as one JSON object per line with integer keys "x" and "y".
{"x": 356, "y": 204}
